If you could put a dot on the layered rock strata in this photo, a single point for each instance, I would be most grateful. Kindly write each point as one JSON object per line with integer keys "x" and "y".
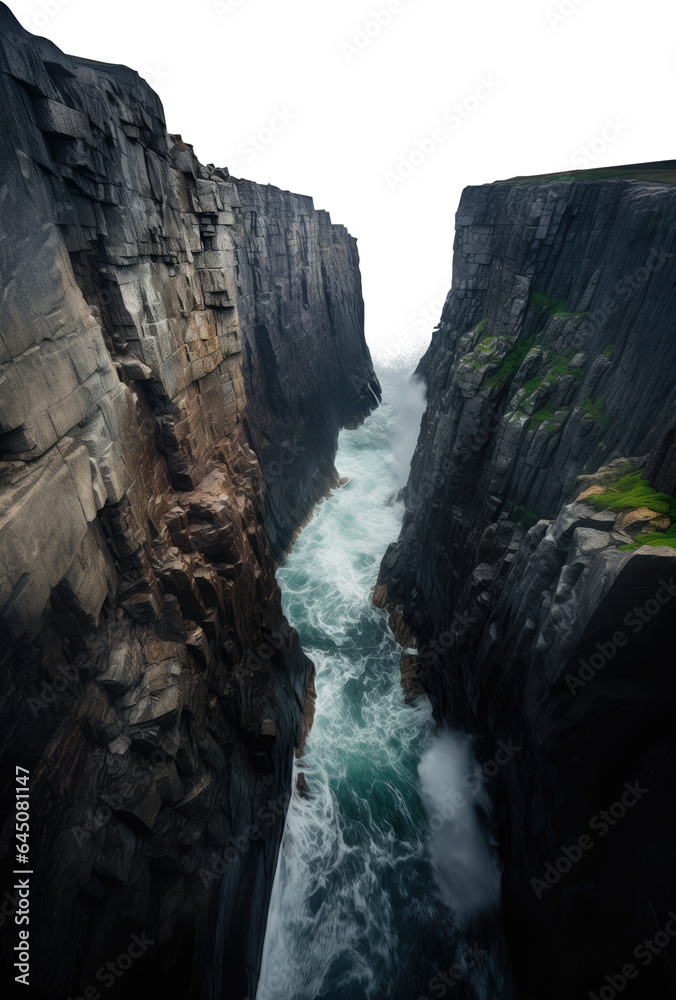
{"x": 179, "y": 350}
{"x": 531, "y": 612}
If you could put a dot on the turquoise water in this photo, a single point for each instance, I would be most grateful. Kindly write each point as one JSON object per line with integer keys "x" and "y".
{"x": 357, "y": 910}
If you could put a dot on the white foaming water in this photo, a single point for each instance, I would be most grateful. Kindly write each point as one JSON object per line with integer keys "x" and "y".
{"x": 458, "y": 809}
{"x": 357, "y": 910}
{"x": 411, "y": 402}
{"x": 394, "y": 361}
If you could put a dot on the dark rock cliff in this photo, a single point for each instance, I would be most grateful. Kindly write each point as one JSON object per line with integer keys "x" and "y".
{"x": 536, "y": 616}
{"x": 179, "y": 350}
{"x": 301, "y": 314}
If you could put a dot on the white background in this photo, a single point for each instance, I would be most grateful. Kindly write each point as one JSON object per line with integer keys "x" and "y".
{"x": 559, "y": 69}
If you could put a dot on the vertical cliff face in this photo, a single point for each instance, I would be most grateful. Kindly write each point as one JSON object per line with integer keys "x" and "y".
{"x": 301, "y": 313}
{"x": 539, "y": 615}
{"x": 178, "y": 353}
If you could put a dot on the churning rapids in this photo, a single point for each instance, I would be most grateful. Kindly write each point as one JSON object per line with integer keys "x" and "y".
{"x": 383, "y": 889}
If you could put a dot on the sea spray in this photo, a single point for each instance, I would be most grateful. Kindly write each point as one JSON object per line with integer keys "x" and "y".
{"x": 458, "y": 811}
{"x": 411, "y": 404}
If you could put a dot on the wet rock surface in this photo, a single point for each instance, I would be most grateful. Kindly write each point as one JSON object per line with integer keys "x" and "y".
{"x": 550, "y": 376}
{"x": 178, "y": 352}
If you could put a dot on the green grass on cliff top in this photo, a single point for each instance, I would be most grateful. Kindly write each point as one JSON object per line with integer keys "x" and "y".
{"x": 633, "y": 491}
{"x": 658, "y": 172}
{"x": 653, "y": 538}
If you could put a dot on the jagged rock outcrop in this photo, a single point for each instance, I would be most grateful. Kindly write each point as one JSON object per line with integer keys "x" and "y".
{"x": 534, "y": 614}
{"x": 179, "y": 350}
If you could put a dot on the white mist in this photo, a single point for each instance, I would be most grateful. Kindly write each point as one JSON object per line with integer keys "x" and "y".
{"x": 458, "y": 810}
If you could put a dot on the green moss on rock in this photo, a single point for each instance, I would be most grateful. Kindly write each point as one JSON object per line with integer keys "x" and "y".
{"x": 512, "y": 362}
{"x": 540, "y": 416}
{"x": 555, "y": 307}
{"x": 633, "y": 491}
{"x": 558, "y": 371}
{"x": 488, "y": 344}
{"x": 532, "y": 385}
{"x": 653, "y": 538}
{"x": 597, "y": 411}
{"x": 522, "y": 514}
{"x": 551, "y": 305}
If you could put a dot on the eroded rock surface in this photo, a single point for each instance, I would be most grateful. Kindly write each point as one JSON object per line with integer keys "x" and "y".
{"x": 178, "y": 352}
{"x": 550, "y": 376}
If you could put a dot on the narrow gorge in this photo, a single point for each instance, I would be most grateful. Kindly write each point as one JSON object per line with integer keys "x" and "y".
{"x": 299, "y": 725}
